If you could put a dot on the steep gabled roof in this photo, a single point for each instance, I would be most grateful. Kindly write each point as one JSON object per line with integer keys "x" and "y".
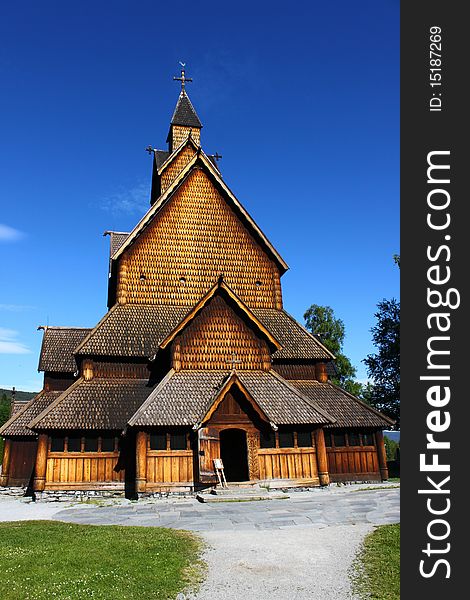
{"x": 296, "y": 341}
{"x": 184, "y": 398}
{"x": 95, "y": 404}
{"x": 57, "y": 349}
{"x": 348, "y": 410}
{"x": 224, "y": 289}
{"x": 184, "y": 113}
{"x": 17, "y": 425}
{"x": 201, "y": 160}
{"x": 131, "y": 330}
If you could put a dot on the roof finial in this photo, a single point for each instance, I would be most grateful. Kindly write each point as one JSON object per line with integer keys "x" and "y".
{"x": 183, "y": 77}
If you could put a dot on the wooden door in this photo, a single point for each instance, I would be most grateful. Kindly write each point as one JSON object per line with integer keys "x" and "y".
{"x": 208, "y": 449}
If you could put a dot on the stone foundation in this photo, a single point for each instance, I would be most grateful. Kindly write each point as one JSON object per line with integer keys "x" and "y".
{"x": 75, "y": 495}
{"x": 15, "y": 491}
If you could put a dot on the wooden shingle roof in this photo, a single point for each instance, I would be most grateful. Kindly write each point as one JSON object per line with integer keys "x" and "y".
{"x": 348, "y": 410}
{"x": 95, "y": 404}
{"x": 137, "y": 330}
{"x": 17, "y": 425}
{"x": 184, "y": 113}
{"x": 296, "y": 341}
{"x": 57, "y": 350}
{"x": 184, "y": 397}
{"x": 132, "y": 330}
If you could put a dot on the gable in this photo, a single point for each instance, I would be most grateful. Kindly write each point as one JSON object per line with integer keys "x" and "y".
{"x": 176, "y": 165}
{"x": 214, "y": 336}
{"x": 191, "y": 240}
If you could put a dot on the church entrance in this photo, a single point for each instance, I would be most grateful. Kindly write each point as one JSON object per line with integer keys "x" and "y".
{"x": 234, "y": 454}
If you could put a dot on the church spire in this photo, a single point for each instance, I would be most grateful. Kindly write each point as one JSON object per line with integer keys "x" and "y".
{"x": 184, "y": 117}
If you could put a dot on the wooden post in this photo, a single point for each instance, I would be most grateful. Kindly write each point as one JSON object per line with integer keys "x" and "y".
{"x": 322, "y": 459}
{"x": 41, "y": 463}
{"x": 6, "y": 462}
{"x": 382, "y": 455}
{"x": 141, "y": 458}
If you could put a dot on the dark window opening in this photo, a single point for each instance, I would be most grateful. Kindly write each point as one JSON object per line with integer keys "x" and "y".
{"x": 354, "y": 439}
{"x": 108, "y": 444}
{"x": 286, "y": 439}
{"x": 304, "y": 439}
{"x": 367, "y": 439}
{"x": 339, "y": 439}
{"x": 328, "y": 439}
{"x": 74, "y": 444}
{"x": 57, "y": 444}
{"x": 158, "y": 441}
{"x": 91, "y": 444}
{"x": 268, "y": 439}
{"x": 178, "y": 441}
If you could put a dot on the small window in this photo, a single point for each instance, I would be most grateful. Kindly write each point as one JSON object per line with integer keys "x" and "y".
{"x": 304, "y": 439}
{"x": 57, "y": 444}
{"x": 108, "y": 444}
{"x": 286, "y": 439}
{"x": 354, "y": 439}
{"x": 268, "y": 439}
{"x": 178, "y": 441}
{"x": 74, "y": 444}
{"x": 367, "y": 439}
{"x": 327, "y": 439}
{"x": 339, "y": 439}
{"x": 158, "y": 441}
{"x": 91, "y": 444}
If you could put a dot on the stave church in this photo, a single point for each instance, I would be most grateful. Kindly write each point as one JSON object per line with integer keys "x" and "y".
{"x": 195, "y": 360}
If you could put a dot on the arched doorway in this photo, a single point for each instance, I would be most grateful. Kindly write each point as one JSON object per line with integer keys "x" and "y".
{"x": 234, "y": 454}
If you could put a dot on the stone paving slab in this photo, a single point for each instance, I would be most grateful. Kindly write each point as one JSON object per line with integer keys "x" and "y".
{"x": 306, "y": 509}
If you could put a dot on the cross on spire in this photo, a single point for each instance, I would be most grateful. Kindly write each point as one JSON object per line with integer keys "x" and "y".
{"x": 234, "y": 361}
{"x": 183, "y": 77}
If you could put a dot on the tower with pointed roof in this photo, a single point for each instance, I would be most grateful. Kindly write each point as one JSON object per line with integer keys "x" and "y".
{"x": 195, "y": 360}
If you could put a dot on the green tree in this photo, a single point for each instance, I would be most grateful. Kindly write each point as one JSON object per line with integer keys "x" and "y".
{"x": 321, "y": 321}
{"x": 383, "y": 367}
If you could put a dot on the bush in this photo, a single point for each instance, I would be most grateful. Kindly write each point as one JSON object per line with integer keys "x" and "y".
{"x": 391, "y": 448}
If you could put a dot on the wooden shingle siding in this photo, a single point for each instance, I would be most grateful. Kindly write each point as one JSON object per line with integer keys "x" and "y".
{"x": 215, "y": 335}
{"x": 179, "y": 134}
{"x": 176, "y": 166}
{"x": 194, "y": 239}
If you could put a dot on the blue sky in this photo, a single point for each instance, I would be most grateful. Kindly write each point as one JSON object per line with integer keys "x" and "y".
{"x": 303, "y": 105}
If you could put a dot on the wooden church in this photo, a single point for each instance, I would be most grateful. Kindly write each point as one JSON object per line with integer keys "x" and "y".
{"x": 196, "y": 359}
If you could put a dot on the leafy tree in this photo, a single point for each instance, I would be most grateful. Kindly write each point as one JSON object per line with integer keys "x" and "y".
{"x": 321, "y": 321}
{"x": 384, "y": 366}
{"x": 391, "y": 447}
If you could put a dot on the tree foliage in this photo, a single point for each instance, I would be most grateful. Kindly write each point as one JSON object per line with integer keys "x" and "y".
{"x": 321, "y": 321}
{"x": 4, "y": 416}
{"x": 383, "y": 367}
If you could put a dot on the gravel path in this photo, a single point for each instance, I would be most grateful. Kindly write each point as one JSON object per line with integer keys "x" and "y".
{"x": 290, "y": 564}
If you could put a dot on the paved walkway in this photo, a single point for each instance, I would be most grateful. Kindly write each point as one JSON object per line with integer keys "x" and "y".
{"x": 319, "y": 508}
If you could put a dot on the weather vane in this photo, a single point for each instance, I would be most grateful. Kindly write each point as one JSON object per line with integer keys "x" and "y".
{"x": 183, "y": 77}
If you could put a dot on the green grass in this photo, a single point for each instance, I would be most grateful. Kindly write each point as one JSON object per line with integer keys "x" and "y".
{"x": 45, "y": 560}
{"x": 377, "y": 567}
